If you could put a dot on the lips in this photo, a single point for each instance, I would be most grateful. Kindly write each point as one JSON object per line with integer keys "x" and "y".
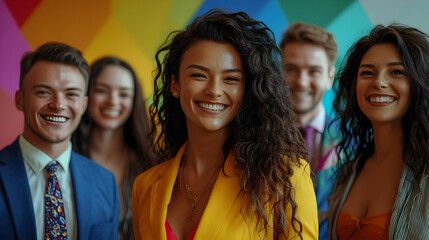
{"x": 52, "y": 118}
{"x": 212, "y": 106}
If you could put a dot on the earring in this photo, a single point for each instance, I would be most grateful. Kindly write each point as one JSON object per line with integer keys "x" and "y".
{"x": 175, "y": 94}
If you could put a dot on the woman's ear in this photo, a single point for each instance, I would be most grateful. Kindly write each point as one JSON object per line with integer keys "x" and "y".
{"x": 175, "y": 86}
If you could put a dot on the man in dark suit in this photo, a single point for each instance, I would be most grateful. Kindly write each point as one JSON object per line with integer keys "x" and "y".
{"x": 48, "y": 191}
{"x": 309, "y": 55}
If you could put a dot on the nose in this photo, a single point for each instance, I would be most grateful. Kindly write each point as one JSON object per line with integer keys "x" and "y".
{"x": 302, "y": 78}
{"x": 380, "y": 82}
{"x": 58, "y": 102}
{"x": 214, "y": 87}
{"x": 113, "y": 98}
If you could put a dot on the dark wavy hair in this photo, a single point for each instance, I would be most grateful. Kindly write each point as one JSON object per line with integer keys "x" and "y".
{"x": 356, "y": 128}
{"x": 136, "y": 128}
{"x": 262, "y": 133}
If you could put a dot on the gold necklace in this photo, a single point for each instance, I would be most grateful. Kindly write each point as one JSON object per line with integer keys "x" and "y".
{"x": 193, "y": 198}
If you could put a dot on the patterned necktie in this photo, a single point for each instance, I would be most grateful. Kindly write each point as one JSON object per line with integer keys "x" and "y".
{"x": 55, "y": 219}
{"x": 307, "y": 134}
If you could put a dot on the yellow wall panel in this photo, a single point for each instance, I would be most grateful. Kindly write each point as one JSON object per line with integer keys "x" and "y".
{"x": 114, "y": 41}
{"x": 72, "y": 22}
{"x": 147, "y": 21}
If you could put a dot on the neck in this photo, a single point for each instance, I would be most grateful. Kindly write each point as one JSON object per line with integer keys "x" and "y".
{"x": 53, "y": 150}
{"x": 388, "y": 142}
{"x": 304, "y": 119}
{"x": 107, "y": 141}
{"x": 205, "y": 151}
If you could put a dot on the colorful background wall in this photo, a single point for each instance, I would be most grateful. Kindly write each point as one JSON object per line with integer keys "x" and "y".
{"x": 134, "y": 29}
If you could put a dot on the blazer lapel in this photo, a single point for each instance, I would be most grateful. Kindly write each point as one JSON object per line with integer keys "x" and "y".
{"x": 13, "y": 177}
{"x": 80, "y": 190}
{"x": 225, "y": 193}
{"x": 161, "y": 192}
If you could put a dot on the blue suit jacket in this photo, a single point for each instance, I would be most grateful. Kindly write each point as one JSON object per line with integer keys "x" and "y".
{"x": 95, "y": 194}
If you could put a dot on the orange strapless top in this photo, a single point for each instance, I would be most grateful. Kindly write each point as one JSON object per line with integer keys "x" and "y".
{"x": 374, "y": 227}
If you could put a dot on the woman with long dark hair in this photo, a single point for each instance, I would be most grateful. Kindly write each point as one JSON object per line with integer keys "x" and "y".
{"x": 383, "y": 104}
{"x": 114, "y": 129}
{"x": 223, "y": 126}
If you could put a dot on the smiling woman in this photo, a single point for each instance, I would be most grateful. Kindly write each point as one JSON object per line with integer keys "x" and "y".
{"x": 210, "y": 85}
{"x": 113, "y": 132}
{"x": 223, "y": 126}
{"x": 383, "y": 104}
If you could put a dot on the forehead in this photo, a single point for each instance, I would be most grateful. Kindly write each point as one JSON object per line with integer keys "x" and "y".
{"x": 115, "y": 76}
{"x": 212, "y": 54}
{"x": 54, "y": 75}
{"x": 304, "y": 54}
{"x": 382, "y": 53}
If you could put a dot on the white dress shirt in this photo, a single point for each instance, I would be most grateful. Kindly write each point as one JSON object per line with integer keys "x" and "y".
{"x": 35, "y": 163}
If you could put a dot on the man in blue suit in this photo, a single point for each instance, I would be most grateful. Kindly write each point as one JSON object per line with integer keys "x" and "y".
{"x": 52, "y": 96}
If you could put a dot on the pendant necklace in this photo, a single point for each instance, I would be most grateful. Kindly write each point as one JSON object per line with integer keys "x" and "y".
{"x": 192, "y": 197}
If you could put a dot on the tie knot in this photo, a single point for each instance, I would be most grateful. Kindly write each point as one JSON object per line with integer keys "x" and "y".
{"x": 305, "y": 131}
{"x": 52, "y": 167}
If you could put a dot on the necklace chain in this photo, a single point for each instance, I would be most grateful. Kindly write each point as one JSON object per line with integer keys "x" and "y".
{"x": 192, "y": 197}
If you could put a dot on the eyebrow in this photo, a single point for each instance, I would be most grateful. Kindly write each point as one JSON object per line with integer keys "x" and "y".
{"x": 308, "y": 66}
{"x": 390, "y": 64}
{"x": 49, "y": 87}
{"x": 206, "y": 69}
{"x": 108, "y": 86}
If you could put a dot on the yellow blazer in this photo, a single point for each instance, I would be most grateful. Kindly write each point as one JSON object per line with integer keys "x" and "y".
{"x": 223, "y": 217}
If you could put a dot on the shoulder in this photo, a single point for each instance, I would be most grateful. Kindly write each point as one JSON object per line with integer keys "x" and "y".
{"x": 152, "y": 174}
{"x": 85, "y": 165}
{"x": 301, "y": 178}
{"x": 301, "y": 169}
{"x": 13, "y": 148}
{"x": 305, "y": 199}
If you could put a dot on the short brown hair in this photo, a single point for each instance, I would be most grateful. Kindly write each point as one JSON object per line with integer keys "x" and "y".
{"x": 54, "y": 52}
{"x": 310, "y": 33}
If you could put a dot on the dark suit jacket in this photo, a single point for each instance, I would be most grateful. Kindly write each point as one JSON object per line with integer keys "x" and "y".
{"x": 95, "y": 194}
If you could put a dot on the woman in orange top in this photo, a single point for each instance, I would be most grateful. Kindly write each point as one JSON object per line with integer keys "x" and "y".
{"x": 222, "y": 114}
{"x": 383, "y": 102}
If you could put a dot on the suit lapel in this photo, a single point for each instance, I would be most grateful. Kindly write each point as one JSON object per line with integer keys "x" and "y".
{"x": 161, "y": 192}
{"x": 225, "y": 193}
{"x": 80, "y": 190}
{"x": 13, "y": 177}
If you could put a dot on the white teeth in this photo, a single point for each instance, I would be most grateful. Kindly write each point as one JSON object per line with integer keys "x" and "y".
{"x": 54, "y": 119}
{"x": 385, "y": 99}
{"x": 214, "y": 107}
{"x": 111, "y": 113}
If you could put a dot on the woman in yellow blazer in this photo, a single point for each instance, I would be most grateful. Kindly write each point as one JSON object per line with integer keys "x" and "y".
{"x": 223, "y": 116}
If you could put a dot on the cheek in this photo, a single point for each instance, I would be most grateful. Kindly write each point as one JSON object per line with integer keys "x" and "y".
{"x": 78, "y": 108}
{"x": 95, "y": 102}
{"x": 128, "y": 104}
{"x": 360, "y": 93}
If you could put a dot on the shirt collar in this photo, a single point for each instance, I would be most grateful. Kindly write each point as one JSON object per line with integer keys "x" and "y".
{"x": 38, "y": 160}
{"x": 318, "y": 123}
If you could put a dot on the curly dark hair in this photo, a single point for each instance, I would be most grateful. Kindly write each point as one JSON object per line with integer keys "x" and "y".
{"x": 262, "y": 133}
{"x": 136, "y": 128}
{"x": 356, "y": 128}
